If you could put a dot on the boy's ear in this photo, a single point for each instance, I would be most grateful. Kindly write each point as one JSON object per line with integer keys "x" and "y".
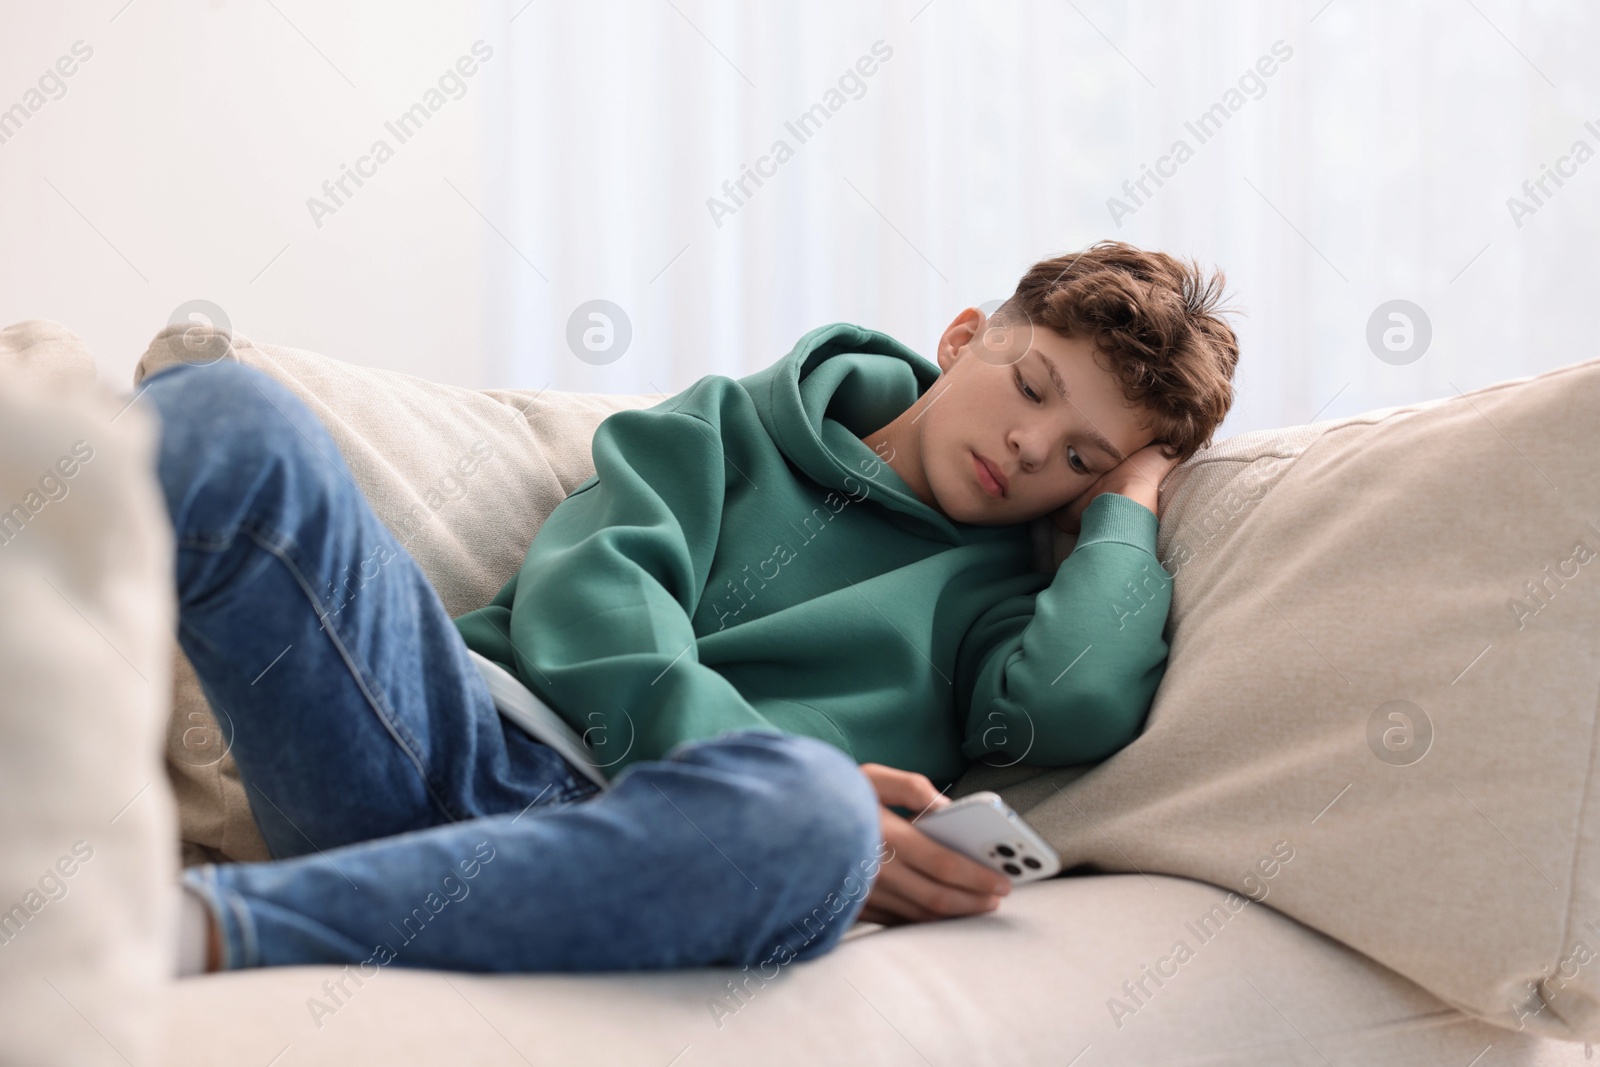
{"x": 962, "y": 329}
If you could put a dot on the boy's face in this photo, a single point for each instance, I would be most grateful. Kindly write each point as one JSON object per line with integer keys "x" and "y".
{"x": 996, "y": 399}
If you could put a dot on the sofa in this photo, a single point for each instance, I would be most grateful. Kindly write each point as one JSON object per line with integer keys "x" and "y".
{"x": 1357, "y": 827}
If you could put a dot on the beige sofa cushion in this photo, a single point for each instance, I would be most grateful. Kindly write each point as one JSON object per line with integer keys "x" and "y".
{"x": 87, "y": 858}
{"x": 1030, "y": 984}
{"x": 1363, "y": 667}
{"x": 407, "y": 442}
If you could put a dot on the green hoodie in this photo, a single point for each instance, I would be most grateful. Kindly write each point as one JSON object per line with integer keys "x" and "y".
{"x": 741, "y": 558}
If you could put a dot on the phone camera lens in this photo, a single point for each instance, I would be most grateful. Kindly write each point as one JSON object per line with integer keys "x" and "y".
{"x": 1031, "y": 863}
{"x": 1005, "y": 850}
{"x": 1013, "y": 869}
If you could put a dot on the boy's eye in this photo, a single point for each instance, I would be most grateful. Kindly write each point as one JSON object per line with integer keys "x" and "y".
{"x": 1074, "y": 460}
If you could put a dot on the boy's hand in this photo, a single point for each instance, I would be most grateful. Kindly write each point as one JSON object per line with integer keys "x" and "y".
{"x": 920, "y": 879}
{"x": 1137, "y": 477}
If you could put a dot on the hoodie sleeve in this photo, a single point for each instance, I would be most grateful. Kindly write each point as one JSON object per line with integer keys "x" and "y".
{"x": 599, "y": 622}
{"x": 1066, "y": 675}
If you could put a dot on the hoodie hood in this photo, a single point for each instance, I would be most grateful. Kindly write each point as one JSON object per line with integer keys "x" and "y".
{"x": 839, "y": 384}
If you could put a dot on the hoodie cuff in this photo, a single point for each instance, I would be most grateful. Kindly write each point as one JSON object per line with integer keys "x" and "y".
{"x": 1117, "y": 518}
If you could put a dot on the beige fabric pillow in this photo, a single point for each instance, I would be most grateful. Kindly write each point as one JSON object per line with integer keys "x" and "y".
{"x": 402, "y": 438}
{"x": 88, "y": 866}
{"x": 1364, "y": 668}
{"x": 47, "y": 356}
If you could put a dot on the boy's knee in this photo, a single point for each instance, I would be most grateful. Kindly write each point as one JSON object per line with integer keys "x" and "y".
{"x": 830, "y": 797}
{"x": 845, "y": 857}
{"x": 226, "y": 401}
{"x": 813, "y": 791}
{"x": 230, "y": 419}
{"x": 822, "y": 816}
{"x": 209, "y": 383}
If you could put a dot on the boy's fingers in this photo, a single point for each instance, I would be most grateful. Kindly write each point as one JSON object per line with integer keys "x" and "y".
{"x": 896, "y": 909}
{"x": 933, "y": 862}
{"x": 1148, "y": 467}
{"x": 946, "y": 869}
{"x": 905, "y": 908}
{"x": 893, "y": 910}
{"x": 920, "y": 898}
{"x": 903, "y": 891}
{"x": 927, "y": 881}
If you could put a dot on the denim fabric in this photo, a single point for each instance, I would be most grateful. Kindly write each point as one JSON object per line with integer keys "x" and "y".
{"x": 409, "y": 822}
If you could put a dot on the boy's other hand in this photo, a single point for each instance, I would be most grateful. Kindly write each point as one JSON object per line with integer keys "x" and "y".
{"x": 1138, "y": 477}
{"x": 920, "y": 879}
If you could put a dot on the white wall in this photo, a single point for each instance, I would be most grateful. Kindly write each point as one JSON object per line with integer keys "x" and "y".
{"x": 1376, "y": 164}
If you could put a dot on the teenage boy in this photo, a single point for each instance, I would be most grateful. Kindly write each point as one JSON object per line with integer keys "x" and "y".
{"x": 783, "y": 606}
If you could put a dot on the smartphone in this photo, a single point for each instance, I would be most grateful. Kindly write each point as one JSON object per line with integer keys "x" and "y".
{"x": 983, "y": 827}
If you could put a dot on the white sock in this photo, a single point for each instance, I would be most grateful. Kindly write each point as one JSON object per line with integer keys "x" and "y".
{"x": 194, "y": 929}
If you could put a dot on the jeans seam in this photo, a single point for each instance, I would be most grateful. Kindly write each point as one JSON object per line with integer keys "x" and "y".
{"x": 395, "y": 728}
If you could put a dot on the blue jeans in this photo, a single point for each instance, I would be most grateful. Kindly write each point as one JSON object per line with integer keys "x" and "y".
{"x": 412, "y": 824}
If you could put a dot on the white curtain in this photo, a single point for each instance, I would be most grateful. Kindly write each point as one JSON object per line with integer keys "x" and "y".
{"x": 1373, "y": 163}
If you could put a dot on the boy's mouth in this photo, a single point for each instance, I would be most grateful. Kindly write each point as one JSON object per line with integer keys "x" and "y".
{"x": 989, "y": 476}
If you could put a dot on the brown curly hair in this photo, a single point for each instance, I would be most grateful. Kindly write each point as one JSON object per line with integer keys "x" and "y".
{"x": 1156, "y": 321}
